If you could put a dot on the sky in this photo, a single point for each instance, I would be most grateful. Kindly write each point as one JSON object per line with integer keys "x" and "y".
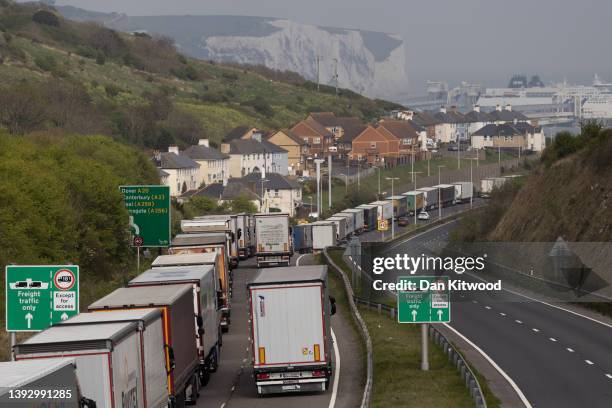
{"x": 481, "y": 41}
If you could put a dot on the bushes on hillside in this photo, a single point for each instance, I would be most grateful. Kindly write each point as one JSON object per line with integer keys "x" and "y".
{"x": 46, "y": 17}
{"x": 592, "y": 137}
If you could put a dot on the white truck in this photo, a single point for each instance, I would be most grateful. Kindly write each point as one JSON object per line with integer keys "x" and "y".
{"x": 215, "y": 226}
{"x": 272, "y": 238}
{"x": 108, "y": 365}
{"x": 358, "y": 214}
{"x": 206, "y": 307}
{"x": 350, "y": 222}
{"x": 341, "y": 228}
{"x": 385, "y": 209}
{"x": 290, "y": 324}
{"x": 488, "y": 184}
{"x": 323, "y": 235}
{"x": 56, "y": 376}
{"x": 464, "y": 191}
{"x": 152, "y": 357}
{"x": 215, "y": 259}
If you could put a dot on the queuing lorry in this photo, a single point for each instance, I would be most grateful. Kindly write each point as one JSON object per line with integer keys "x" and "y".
{"x": 323, "y": 235}
{"x": 358, "y": 218}
{"x": 415, "y": 201}
{"x": 430, "y": 195}
{"x": 350, "y": 222}
{"x": 108, "y": 363}
{"x": 464, "y": 191}
{"x": 272, "y": 237}
{"x": 302, "y": 238}
{"x": 236, "y": 227}
{"x": 176, "y": 304}
{"x": 340, "y": 223}
{"x": 446, "y": 193}
{"x": 151, "y": 346}
{"x": 384, "y": 209}
{"x": 370, "y": 216}
{"x": 290, "y": 329}
{"x": 244, "y": 235}
{"x": 214, "y": 226}
{"x": 56, "y": 378}
{"x": 400, "y": 205}
{"x": 221, "y": 271}
{"x": 488, "y": 184}
{"x": 206, "y": 306}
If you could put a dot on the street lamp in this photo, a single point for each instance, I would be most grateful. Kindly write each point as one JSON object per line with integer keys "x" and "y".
{"x": 439, "y": 193}
{"x": 414, "y": 199}
{"x": 319, "y": 201}
{"x": 378, "y": 168}
{"x": 263, "y": 180}
{"x": 392, "y": 218}
{"x": 472, "y": 180}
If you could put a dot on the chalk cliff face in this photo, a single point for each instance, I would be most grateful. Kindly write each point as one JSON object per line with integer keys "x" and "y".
{"x": 368, "y": 62}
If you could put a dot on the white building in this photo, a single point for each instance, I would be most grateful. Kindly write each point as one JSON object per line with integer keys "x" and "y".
{"x": 177, "y": 171}
{"x": 279, "y": 193}
{"x": 214, "y": 165}
{"x": 255, "y": 155}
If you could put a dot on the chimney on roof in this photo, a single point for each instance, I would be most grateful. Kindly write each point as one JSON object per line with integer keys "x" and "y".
{"x": 509, "y": 107}
{"x": 498, "y": 107}
{"x": 476, "y": 108}
{"x": 203, "y": 142}
{"x": 453, "y": 108}
{"x": 173, "y": 149}
{"x": 256, "y": 136}
{"x": 225, "y": 148}
{"x": 443, "y": 109}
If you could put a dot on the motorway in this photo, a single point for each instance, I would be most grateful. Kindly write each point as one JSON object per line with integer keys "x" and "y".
{"x": 556, "y": 357}
{"x": 233, "y": 384}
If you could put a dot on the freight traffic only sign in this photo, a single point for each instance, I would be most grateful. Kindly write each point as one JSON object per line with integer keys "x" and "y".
{"x": 424, "y": 304}
{"x": 149, "y": 209}
{"x": 41, "y": 295}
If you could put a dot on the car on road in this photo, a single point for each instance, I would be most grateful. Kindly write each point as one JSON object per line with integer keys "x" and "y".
{"x": 403, "y": 221}
{"x": 424, "y": 215}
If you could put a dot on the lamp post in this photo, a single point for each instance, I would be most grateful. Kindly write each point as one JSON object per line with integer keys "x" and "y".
{"x": 263, "y": 180}
{"x": 378, "y": 168}
{"x": 472, "y": 181}
{"x": 319, "y": 201}
{"x": 439, "y": 194}
{"x": 392, "y": 218}
{"x": 415, "y": 187}
{"x": 458, "y": 153}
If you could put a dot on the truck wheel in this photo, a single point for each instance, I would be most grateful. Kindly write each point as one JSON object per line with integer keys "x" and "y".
{"x": 204, "y": 376}
{"x": 213, "y": 365}
{"x": 220, "y": 335}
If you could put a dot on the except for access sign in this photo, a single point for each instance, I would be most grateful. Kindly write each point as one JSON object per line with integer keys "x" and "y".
{"x": 149, "y": 209}
{"x": 41, "y": 295}
{"x": 383, "y": 225}
{"x": 423, "y": 306}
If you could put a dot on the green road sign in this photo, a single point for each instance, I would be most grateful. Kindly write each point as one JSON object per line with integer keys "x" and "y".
{"x": 39, "y": 296}
{"x": 149, "y": 209}
{"x": 428, "y": 302}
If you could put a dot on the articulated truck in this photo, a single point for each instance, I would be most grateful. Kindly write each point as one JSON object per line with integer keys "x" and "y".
{"x": 290, "y": 329}
{"x": 273, "y": 244}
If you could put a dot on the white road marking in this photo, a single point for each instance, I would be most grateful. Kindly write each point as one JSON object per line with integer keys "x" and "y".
{"x": 553, "y": 339}
{"x": 297, "y": 262}
{"x": 503, "y": 314}
{"x": 488, "y": 307}
{"x": 419, "y": 234}
{"x": 609, "y": 375}
{"x": 474, "y": 301}
{"x": 223, "y": 405}
{"x": 518, "y": 321}
{"x": 332, "y": 401}
{"x": 570, "y": 350}
{"x": 498, "y": 368}
{"x": 535, "y": 330}
{"x": 589, "y": 362}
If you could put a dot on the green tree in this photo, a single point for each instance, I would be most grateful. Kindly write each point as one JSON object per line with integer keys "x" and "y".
{"x": 243, "y": 204}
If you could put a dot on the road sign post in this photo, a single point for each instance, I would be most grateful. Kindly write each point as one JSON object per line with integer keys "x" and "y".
{"x": 41, "y": 295}
{"x": 427, "y": 302}
{"x": 149, "y": 210}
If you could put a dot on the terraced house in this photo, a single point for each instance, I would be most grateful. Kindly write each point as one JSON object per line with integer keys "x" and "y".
{"x": 178, "y": 171}
{"x": 213, "y": 163}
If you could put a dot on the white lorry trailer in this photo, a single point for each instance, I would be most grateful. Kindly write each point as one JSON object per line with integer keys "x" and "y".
{"x": 215, "y": 259}
{"x": 207, "y": 313}
{"x": 341, "y": 228}
{"x": 108, "y": 362}
{"x": 215, "y": 226}
{"x": 385, "y": 209}
{"x": 323, "y": 235}
{"x": 176, "y": 304}
{"x": 152, "y": 358}
{"x": 53, "y": 379}
{"x": 358, "y": 214}
{"x": 464, "y": 191}
{"x": 290, "y": 329}
{"x": 272, "y": 237}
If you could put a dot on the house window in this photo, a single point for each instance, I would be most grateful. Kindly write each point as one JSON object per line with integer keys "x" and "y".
{"x": 373, "y": 145}
{"x": 276, "y": 193}
{"x": 406, "y": 141}
{"x": 317, "y": 140}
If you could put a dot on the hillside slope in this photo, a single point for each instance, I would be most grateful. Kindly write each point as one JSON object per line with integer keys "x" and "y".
{"x": 140, "y": 89}
{"x": 572, "y": 198}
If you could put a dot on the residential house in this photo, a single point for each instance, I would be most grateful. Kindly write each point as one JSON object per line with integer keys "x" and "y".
{"x": 507, "y": 115}
{"x": 427, "y": 121}
{"x": 276, "y": 192}
{"x": 343, "y": 128}
{"x": 477, "y": 119}
{"x": 182, "y": 172}
{"x": 317, "y": 138}
{"x": 255, "y": 155}
{"x": 213, "y": 163}
{"x": 410, "y": 141}
{"x": 296, "y": 147}
{"x": 519, "y": 135}
{"x": 241, "y": 132}
{"x": 376, "y": 148}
